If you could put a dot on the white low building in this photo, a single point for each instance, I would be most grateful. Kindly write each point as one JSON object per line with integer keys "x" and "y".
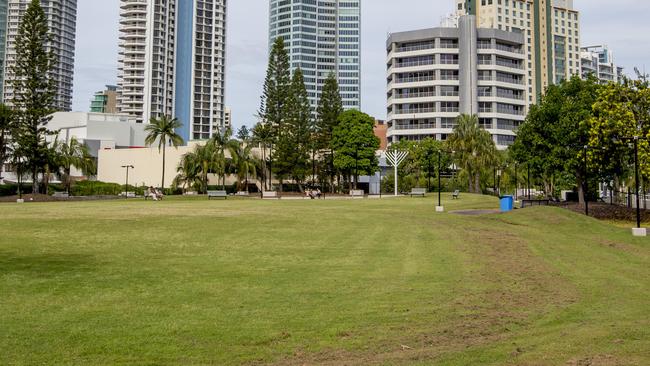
{"x": 98, "y": 131}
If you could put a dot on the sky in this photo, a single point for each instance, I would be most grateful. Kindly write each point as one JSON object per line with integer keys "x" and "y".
{"x": 621, "y": 24}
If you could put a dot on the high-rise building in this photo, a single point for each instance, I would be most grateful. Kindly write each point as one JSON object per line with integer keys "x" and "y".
{"x": 105, "y": 101}
{"x": 172, "y": 62}
{"x": 62, "y": 22}
{"x": 227, "y": 120}
{"x": 599, "y": 62}
{"x": 436, "y": 74}
{"x": 322, "y": 37}
{"x": 551, "y": 29}
{"x": 3, "y": 41}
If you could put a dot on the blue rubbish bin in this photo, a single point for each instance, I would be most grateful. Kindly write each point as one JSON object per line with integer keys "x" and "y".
{"x": 507, "y": 203}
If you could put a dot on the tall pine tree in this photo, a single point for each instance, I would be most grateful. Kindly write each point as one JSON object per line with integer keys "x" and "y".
{"x": 275, "y": 93}
{"x": 293, "y": 147}
{"x": 34, "y": 88}
{"x": 329, "y": 109}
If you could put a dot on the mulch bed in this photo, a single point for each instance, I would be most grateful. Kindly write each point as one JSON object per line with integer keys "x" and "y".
{"x": 604, "y": 211}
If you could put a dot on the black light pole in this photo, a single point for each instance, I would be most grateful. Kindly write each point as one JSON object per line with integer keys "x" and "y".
{"x": 439, "y": 180}
{"x": 126, "y": 186}
{"x": 636, "y": 175}
{"x": 636, "y": 181}
{"x": 585, "y": 185}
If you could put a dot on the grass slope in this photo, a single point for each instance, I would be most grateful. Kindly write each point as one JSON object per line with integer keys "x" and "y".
{"x": 362, "y": 282}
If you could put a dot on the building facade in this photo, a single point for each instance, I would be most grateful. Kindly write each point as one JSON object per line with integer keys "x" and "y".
{"x": 105, "y": 101}
{"x": 436, "y": 74}
{"x": 599, "y": 62}
{"x": 551, "y": 30}
{"x": 62, "y": 22}
{"x": 172, "y": 62}
{"x": 322, "y": 37}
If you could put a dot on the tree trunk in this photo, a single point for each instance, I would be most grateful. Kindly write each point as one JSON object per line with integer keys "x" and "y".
{"x": 34, "y": 180}
{"x": 477, "y": 185}
{"x": 581, "y": 191}
{"x": 470, "y": 180}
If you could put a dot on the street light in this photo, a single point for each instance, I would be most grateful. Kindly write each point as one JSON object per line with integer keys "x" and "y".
{"x": 126, "y": 186}
{"x": 440, "y": 208}
{"x": 639, "y": 231}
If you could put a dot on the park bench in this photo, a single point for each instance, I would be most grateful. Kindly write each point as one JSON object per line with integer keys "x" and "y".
{"x": 455, "y": 195}
{"x": 418, "y": 192}
{"x": 128, "y": 195}
{"x": 242, "y": 194}
{"x": 357, "y": 193}
{"x": 529, "y": 203}
{"x": 270, "y": 195}
{"x": 61, "y": 195}
{"x": 217, "y": 194}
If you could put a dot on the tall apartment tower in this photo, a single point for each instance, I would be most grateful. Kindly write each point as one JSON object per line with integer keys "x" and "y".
{"x": 172, "y": 62}
{"x": 436, "y": 74}
{"x": 551, "y": 29}
{"x": 322, "y": 37}
{"x": 62, "y": 22}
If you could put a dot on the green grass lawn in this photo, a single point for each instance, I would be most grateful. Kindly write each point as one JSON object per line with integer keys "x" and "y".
{"x": 356, "y": 282}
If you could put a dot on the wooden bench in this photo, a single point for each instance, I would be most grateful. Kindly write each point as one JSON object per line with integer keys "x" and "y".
{"x": 61, "y": 195}
{"x": 455, "y": 195}
{"x": 127, "y": 195}
{"x": 418, "y": 192}
{"x": 357, "y": 193}
{"x": 270, "y": 195}
{"x": 242, "y": 194}
{"x": 217, "y": 194}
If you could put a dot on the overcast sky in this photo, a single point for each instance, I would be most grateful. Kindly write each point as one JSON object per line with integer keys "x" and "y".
{"x": 621, "y": 24}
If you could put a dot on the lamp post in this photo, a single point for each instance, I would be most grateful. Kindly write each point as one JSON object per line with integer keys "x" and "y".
{"x": 498, "y": 190}
{"x": 439, "y": 208}
{"x": 585, "y": 184}
{"x": 126, "y": 186}
{"x": 638, "y": 231}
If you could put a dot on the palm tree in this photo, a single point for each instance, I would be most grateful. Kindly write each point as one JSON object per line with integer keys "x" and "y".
{"x": 263, "y": 135}
{"x": 474, "y": 149}
{"x": 68, "y": 155}
{"x": 222, "y": 141}
{"x": 163, "y": 130}
{"x": 188, "y": 172}
{"x": 244, "y": 162}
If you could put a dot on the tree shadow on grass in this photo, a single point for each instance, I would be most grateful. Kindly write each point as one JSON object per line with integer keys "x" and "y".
{"x": 46, "y": 264}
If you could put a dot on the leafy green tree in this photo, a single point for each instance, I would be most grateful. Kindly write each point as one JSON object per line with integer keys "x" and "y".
{"x": 163, "y": 130}
{"x": 427, "y": 154}
{"x": 621, "y": 110}
{"x": 355, "y": 144}
{"x": 552, "y": 138}
{"x": 293, "y": 143}
{"x": 277, "y": 85}
{"x": 474, "y": 149}
{"x": 34, "y": 88}
{"x": 330, "y": 107}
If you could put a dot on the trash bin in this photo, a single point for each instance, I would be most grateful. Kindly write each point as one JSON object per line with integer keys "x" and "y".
{"x": 507, "y": 203}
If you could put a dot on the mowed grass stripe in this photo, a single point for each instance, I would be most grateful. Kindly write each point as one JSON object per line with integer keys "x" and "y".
{"x": 317, "y": 282}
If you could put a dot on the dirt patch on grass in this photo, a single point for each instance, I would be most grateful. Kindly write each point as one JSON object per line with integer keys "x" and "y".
{"x": 599, "y": 360}
{"x": 507, "y": 287}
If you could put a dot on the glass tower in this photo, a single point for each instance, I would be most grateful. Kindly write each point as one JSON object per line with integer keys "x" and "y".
{"x": 62, "y": 22}
{"x": 322, "y": 37}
